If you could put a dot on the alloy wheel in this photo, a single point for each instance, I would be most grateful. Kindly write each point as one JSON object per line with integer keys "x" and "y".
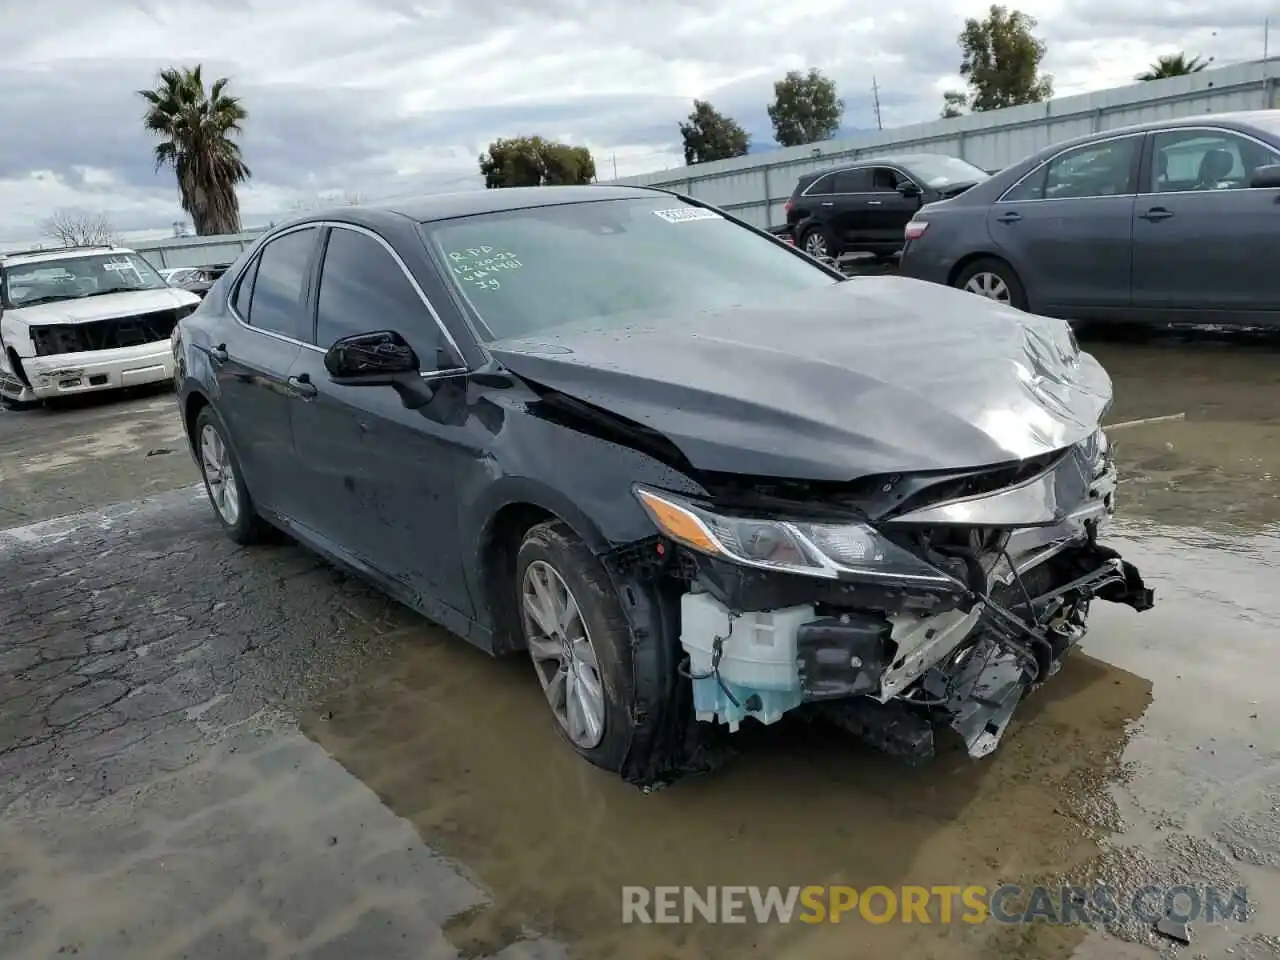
{"x": 988, "y": 285}
{"x": 219, "y": 474}
{"x": 560, "y": 646}
{"x": 815, "y": 244}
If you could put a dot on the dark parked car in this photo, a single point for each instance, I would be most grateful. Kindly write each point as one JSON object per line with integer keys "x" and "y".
{"x": 862, "y": 207}
{"x": 198, "y": 280}
{"x": 693, "y": 474}
{"x": 1174, "y": 220}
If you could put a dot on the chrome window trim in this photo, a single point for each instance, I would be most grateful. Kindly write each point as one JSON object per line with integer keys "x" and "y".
{"x": 870, "y": 164}
{"x": 338, "y": 225}
{"x": 1044, "y": 163}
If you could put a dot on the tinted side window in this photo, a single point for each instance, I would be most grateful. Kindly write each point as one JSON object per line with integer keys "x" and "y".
{"x": 853, "y": 181}
{"x": 280, "y": 285}
{"x": 820, "y": 187}
{"x": 363, "y": 289}
{"x": 885, "y": 179}
{"x": 1185, "y": 160}
{"x": 1092, "y": 170}
{"x": 244, "y": 291}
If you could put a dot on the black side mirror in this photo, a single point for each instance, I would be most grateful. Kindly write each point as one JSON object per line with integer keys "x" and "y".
{"x": 1263, "y": 177}
{"x": 371, "y": 360}
{"x": 908, "y": 189}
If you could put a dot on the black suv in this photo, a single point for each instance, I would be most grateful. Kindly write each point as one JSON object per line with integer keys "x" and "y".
{"x": 864, "y": 206}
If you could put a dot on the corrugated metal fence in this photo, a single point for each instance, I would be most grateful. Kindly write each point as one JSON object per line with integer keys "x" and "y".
{"x": 756, "y": 187}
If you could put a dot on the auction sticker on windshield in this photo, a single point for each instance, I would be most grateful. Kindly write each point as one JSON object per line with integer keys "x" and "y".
{"x": 685, "y": 214}
{"x": 479, "y": 266}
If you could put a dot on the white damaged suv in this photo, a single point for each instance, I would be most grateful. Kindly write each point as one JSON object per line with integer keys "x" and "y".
{"x": 80, "y": 319}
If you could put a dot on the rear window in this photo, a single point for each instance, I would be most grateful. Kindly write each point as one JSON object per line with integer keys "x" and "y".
{"x": 610, "y": 262}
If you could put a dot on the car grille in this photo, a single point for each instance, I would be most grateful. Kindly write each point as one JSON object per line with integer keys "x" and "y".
{"x": 54, "y": 338}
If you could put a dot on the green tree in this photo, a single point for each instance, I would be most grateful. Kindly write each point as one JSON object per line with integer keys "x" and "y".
{"x": 1000, "y": 61}
{"x": 953, "y": 104}
{"x": 805, "y": 108}
{"x": 1173, "y": 65}
{"x": 535, "y": 162}
{"x": 710, "y": 135}
{"x": 196, "y": 129}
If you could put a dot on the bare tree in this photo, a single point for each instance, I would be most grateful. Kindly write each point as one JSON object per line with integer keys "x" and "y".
{"x": 75, "y": 228}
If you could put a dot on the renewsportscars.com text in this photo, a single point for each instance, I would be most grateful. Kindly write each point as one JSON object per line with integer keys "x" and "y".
{"x": 973, "y": 904}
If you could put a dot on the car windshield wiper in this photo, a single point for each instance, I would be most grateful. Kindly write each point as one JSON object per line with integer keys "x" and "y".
{"x": 36, "y": 301}
{"x": 100, "y": 293}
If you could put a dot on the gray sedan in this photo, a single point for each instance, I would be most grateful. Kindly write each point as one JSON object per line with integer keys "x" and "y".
{"x": 1172, "y": 221}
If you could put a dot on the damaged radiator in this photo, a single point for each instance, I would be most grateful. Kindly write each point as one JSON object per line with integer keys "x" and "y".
{"x": 55, "y": 338}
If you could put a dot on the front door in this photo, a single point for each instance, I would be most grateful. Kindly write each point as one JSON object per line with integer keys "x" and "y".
{"x": 889, "y": 209}
{"x": 254, "y": 364}
{"x": 1203, "y": 240}
{"x": 381, "y": 477}
{"x": 1067, "y": 228}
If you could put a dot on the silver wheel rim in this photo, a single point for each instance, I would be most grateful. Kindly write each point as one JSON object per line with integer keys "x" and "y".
{"x": 219, "y": 475}
{"x": 563, "y": 656}
{"x": 988, "y": 285}
{"x": 815, "y": 245}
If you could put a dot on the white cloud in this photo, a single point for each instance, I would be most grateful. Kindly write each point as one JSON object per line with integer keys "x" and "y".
{"x": 394, "y": 97}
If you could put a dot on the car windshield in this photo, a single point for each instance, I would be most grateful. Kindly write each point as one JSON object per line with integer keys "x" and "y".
{"x": 70, "y": 278}
{"x": 943, "y": 171}
{"x": 525, "y": 271}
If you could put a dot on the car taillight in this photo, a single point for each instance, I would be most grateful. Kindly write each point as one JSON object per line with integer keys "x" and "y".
{"x": 916, "y": 228}
{"x": 786, "y": 207}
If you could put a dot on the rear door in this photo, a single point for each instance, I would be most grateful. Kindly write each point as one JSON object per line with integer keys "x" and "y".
{"x": 1203, "y": 241}
{"x": 851, "y": 216}
{"x": 1067, "y": 228}
{"x": 254, "y": 364}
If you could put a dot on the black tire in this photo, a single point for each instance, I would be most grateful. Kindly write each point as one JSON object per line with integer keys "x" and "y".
{"x": 996, "y": 267}
{"x": 832, "y": 247}
{"x": 556, "y": 545}
{"x": 11, "y": 404}
{"x": 248, "y": 528}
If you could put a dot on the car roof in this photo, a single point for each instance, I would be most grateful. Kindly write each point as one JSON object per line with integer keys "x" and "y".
{"x": 890, "y": 159}
{"x": 1267, "y": 121}
{"x": 447, "y": 206}
{"x": 17, "y": 257}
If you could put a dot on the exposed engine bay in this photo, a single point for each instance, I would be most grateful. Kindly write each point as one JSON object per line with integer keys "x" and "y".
{"x": 912, "y": 603}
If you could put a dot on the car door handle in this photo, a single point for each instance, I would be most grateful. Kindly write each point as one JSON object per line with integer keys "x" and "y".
{"x": 302, "y": 387}
{"x": 1010, "y": 217}
{"x": 874, "y": 203}
{"x": 219, "y": 353}
{"x": 1156, "y": 213}
{"x": 828, "y": 203}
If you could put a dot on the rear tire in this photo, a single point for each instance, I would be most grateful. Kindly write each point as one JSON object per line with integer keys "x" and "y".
{"x": 224, "y": 481}
{"x": 994, "y": 279}
{"x": 582, "y": 657}
{"x": 815, "y": 239}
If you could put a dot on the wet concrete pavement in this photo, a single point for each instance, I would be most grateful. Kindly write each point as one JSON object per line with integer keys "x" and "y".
{"x": 207, "y": 751}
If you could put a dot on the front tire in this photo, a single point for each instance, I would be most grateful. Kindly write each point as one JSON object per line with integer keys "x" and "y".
{"x": 579, "y": 641}
{"x": 224, "y": 481}
{"x": 995, "y": 280}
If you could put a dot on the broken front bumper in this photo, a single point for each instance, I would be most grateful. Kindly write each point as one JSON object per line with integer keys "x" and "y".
{"x": 893, "y": 660}
{"x": 68, "y": 373}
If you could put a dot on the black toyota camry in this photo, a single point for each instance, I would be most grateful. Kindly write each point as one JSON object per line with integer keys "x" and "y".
{"x": 695, "y": 475}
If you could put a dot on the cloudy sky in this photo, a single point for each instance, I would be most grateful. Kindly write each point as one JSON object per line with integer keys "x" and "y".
{"x": 393, "y": 97}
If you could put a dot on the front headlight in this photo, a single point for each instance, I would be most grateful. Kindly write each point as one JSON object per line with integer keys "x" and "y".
{"x": 836, "y": 551}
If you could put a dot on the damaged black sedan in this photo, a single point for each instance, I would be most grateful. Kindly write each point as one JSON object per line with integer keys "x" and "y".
{"x": 695, "y": 475}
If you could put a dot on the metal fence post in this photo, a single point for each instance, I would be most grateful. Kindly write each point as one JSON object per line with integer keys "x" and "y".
{"x": 768, "y": 197}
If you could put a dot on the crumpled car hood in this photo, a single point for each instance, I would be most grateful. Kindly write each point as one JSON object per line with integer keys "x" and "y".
{"x": 871, "y": 376}
{"x": 105, "y": 307}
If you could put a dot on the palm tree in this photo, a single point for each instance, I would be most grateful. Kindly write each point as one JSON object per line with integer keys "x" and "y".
{"x": 196, "y": 128}
{"x": 1173, "y": 65}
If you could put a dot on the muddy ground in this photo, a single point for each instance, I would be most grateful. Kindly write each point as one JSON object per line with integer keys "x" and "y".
{"x": 214, "y": 752}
